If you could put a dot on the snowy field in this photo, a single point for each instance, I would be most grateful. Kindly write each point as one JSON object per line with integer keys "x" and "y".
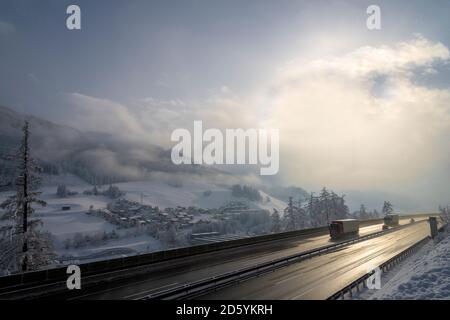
{"x": 425, "y": 276}
{"x": 63, "y": 225}
{"x": 162, "y": 194}
{"x": 66, "y": 224}
{"x": 114, "y": 248}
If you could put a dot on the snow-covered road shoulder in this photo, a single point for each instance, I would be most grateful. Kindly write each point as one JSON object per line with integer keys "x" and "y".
{"x": 425, "y": 277}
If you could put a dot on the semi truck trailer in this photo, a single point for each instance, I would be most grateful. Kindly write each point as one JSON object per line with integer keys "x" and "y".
{"x": 391, "y": 220}
{"x": 344, "y": 228}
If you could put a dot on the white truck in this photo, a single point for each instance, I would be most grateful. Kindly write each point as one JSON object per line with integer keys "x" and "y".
{"x": 344, "y": 228}
{"x": 391, "y": 220}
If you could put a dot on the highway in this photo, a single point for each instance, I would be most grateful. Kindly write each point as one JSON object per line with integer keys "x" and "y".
{"x": 166, "y": 275}
{"x": 322, "y": 276}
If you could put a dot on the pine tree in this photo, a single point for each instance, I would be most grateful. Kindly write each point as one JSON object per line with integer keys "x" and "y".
{"x": 276, "y": 222}
{"x": 61, "y": 191}
{"x": 387, "y": 208}
{"x": 324, "y": 208}
{"x": 289, "y": 215}
{"x": 31, "y": 248}
{"x": 301, "y": 216}
{"x": 445, "y": 213}
{"x": 375, "y": 213}
{"x": 363, "y": 212}
{"x": 324, "y": 199}
{"x": 295, "y": 217}
{"x": 310, "y": 209}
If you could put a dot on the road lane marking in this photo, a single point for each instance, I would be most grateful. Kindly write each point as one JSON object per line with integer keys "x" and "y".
{"x": 147, "y": 292}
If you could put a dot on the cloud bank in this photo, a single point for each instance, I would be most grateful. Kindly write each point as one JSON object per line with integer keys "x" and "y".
{"x": 361, "y": 120}
{"x": 355, "y": 121}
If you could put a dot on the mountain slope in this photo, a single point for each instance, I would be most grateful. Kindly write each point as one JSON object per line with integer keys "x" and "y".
{"x": 95, "y": 157}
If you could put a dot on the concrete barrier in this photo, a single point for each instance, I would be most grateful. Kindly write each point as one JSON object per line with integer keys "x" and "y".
{"x": 98, "y": 267}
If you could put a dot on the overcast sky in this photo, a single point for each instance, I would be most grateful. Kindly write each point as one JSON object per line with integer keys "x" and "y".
{"x": 356, "y": 109}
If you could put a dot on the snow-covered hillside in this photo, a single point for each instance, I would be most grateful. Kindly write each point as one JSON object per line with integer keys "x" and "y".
{"x": 73, "y": 225}
{"x": 161, "y": 192}
{"x": 192, "y": 193}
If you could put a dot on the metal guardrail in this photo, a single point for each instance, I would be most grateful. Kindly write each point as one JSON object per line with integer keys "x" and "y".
{"x": 384, "y": 267}
{"x": 204, "y": 286}
{"x": 53, "y": 275}
{"x": 109, "y": 268}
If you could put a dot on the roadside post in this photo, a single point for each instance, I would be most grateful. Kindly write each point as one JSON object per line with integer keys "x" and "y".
{"x": 433, "y": 226}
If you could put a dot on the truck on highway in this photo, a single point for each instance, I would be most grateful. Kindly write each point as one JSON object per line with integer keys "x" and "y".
{"x": 344, "y": 228}
{"x": 391, "y": 220}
